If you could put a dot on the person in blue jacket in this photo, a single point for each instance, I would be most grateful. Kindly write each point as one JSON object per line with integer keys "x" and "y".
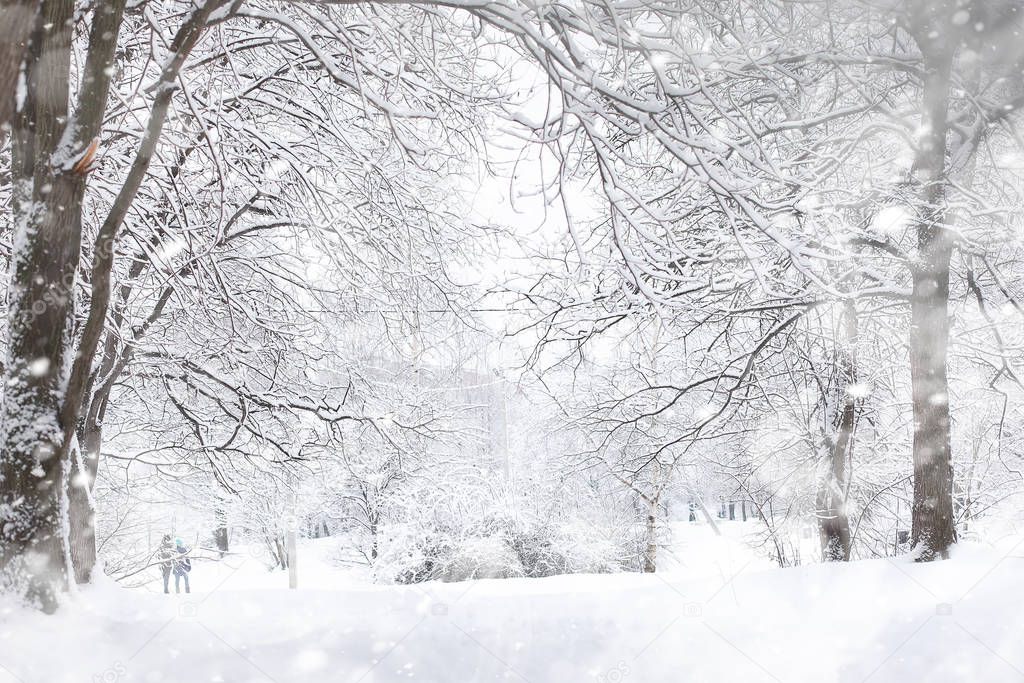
{"x": 182, "y": 566}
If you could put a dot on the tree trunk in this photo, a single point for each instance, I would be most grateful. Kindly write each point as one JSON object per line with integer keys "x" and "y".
{"x": 374, "y": 541}
{"x": 81, "y": 515}
{"x": 651, "y": 546}
{"x": 220, "y": 532}
{"x": 17, "y": 17}
{"x": 651, "y": 537}
{"x": 833, "y": 521}
{"x": 933, "y": 529}
{"x": 51, "y": 155}
{"x": 46, "y": 209}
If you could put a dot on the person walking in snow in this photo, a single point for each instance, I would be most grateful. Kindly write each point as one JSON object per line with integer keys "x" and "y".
{"x": 182, "y": 566}
{"x": 165, "y": 553}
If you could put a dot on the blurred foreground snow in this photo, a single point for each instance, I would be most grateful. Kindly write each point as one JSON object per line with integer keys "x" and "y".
{"x": 719, "y": 614}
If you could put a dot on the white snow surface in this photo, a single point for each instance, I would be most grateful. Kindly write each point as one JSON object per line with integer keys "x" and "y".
{"x": 722, "y": 616}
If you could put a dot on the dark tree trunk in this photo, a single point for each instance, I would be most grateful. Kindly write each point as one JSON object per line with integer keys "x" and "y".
{"x": 220, "y": 532}
{"x": 933, "y": 528}
{"x": 17, "y": 17}
{"x": 52, "y": 153}
{"x": 46, "y": 208}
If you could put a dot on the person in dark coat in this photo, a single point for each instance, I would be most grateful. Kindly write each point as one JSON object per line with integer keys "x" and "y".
{"x": 165, "y": 553}
{"x": 182, "y": 566}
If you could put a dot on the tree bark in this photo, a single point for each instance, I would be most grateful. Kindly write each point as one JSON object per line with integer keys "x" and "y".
{"x": 17, "y": 17}
{"x": 651, "y": 540}
{"x": 651, "y": 531}
{"x": 933, "y": 528}
{"x": 220, "y": 532}
{"x": 46, "y": 209}
{"x": 833, "y": 521}
{"x": 81, "y": 514}
{"x": 374, "y": 539}
{"x": 52, "y": 152}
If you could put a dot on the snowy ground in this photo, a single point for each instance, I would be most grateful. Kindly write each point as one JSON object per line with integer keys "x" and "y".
{"x": 727, "y": 617}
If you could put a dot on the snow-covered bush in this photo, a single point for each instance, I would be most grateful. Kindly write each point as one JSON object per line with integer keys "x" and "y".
{"x": 497, "y": 548}
{"x": 537, "y": 551}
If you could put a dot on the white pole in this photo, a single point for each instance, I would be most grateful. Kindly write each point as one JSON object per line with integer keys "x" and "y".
{"x": 293, "y": 560}
{"x": 293, "y": 556}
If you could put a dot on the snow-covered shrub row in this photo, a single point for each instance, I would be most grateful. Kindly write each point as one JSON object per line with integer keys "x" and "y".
{"x": 499, "y": 547}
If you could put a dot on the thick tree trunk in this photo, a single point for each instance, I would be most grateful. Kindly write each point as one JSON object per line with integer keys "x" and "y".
{"x": 51, "y": 152}
{"x": 933, "y": 528}
{"x": 833, "y": 521}
{"x": 47, "y": 203}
